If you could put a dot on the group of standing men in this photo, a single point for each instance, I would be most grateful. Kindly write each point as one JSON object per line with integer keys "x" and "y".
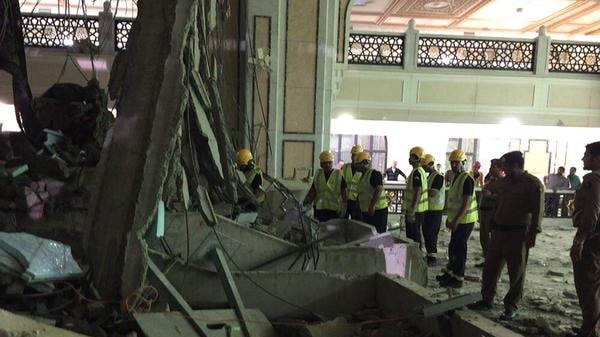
{"x": 510, "y": 215}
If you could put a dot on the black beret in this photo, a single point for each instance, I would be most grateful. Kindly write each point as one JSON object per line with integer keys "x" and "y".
{"x": 593, "y": 148}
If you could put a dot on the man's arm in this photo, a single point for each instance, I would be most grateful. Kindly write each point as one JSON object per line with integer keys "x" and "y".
{"x": 402, "y": 174}
{"x": 537, "y": 214}
{"x": 590, "y": 213}
{"x": 310, "y": 196}
{"x": 416, "y": 181}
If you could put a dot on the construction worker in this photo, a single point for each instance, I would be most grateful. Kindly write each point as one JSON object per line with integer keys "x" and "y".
{"x": 372, "y": 198}
{"x": 253, "y": 173}
{"x": 517, "y": 221}
{"x": 352, "y": 177}
{"x": 415, "y": 199}
{"x": 487, "y": 206}
{"x": 436, "y": 193}
{"x": 462, "y": 215}
{"x": 585, "y": 251}
{"x": 328, "y": 190}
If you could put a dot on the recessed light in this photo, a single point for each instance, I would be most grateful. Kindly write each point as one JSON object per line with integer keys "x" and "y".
{"x": 436, "y": 4}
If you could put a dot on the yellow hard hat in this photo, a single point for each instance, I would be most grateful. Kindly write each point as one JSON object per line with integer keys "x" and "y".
{"x": 244, "y": 156}
{"x": 362, "y": 157}
{"x": 457, "y": 155}
{"x": 356, "y": 149}
{"x": 417, "y": 151}
{"x": 428, "y": 159}
{"x": 326, "y": 156}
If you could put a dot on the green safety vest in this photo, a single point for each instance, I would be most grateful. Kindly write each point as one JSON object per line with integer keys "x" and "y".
{"x": 250, "y": 175}
{"x": 352, "y": 181}
{"x": 329, "y": 192}
{"x": 436, "y": 203}
{"x": 365, "y": 193}
{"x": 409, "y": 193}
{"x": 455, "y": 199}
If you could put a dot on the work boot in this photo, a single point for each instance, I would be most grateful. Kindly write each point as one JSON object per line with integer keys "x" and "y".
{"x": 509, "y": 314}
{"x": 480, "y": 306}
{"x": 452, "y": 282}
{"x": 443, "y": 277}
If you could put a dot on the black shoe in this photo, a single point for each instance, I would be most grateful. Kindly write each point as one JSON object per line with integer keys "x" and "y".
{"x": 452, "y": 282}
{"x": 480, "y": 306}
{"x": 509, "y": 315}
{"x": 431, "y": 261}
{"x": 443, "y": 277}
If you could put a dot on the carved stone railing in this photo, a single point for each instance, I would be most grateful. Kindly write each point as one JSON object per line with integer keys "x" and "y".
{"x": 59, "y": 31}
{"x": 574, "y": 58}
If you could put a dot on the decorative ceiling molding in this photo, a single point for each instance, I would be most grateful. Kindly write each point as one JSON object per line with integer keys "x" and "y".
{"x": 455, "y": 8}
{"x": 391, "y": 9}
{"x": 574, "y": 6}
{"x": 469, "y": 12}
{"x": 585, "y": 10}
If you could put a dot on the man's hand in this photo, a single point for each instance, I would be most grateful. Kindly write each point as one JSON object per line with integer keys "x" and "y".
{"x": 343, "y": 209}
{"x": 371, "y": 210}
{"x": 530, "y": 239}
{"x": 576, "y": 251}
{"x": 487, "y": 193}
{"x": 452, "y": 225}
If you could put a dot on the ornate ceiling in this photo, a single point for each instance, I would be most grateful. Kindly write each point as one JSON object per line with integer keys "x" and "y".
{"x": 564, "y": 19}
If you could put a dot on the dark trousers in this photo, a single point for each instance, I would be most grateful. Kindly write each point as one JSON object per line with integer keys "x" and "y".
{"x": 505, "y": 247}
{"x": 353, "y": 210}
{"x": 325, "y": 215}
{"x": 413, "y": 229}
{"x": 587, "y": 283}
{"x": 431, "y": 228}
{"x": 485, "y": 228}
{"x": 457, "y": 249}
{"x": 378, "y": 220}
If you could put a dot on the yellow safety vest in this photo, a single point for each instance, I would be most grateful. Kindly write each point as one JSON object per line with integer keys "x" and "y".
{"x": 250, "y": 175}
{"x": 329, "y": 192}
{"x": 436, "y": 203}
{"x": 409, "y": 193}
{"x": 352, "y": 181}
{"x": 365, "y": 193}
{"x": 455, "y": 199}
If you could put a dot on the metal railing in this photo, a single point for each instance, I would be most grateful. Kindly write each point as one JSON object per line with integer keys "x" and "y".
{"x": 574, "y": 58}
{"x": 58, "y": 31}
{"x": 555, "y": 202}
{"x": 475, "y": 53}
{"x": 375, "y": 49}
{"x": 122, "y": 28}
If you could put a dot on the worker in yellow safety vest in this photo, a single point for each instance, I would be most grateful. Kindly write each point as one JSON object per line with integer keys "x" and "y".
{"x": 372, "y": 199}
{"x": 461, "y": 207}
{"x": 253, "y": 174}
{"x": 352, "y": 177}
{"x": 415, "y": 198}
{"x": 436, "y": 193}
{"x": 328, "y": 190}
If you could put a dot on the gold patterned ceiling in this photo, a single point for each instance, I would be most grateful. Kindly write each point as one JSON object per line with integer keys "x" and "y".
{"x": 563, "y": 19}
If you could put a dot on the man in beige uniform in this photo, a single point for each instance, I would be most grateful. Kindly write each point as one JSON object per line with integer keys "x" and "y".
{"x": 516, "y": 223}
{"x": 585, "y": 251}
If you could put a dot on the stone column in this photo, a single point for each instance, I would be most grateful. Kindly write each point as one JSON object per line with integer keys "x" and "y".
{"x": 107, "y": 30}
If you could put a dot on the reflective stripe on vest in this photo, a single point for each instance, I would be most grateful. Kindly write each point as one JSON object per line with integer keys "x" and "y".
{"x": 409, "y": 193}
{"x": 365, "y": 193}
{"x": 250, "y": 175}
{"x": 436, "y": 203}
{"x": 329, "y": 192}
{"x": 455, "y": 199}
{"x": 352, "y": 181}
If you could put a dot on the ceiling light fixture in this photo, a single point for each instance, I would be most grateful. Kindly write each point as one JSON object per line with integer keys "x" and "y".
{"x": 436, "y": 4}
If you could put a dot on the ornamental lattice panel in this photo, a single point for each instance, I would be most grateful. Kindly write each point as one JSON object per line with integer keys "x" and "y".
{"x": 122, "y": 28}
{"x": 475, "y": 54}
{"x": 375, "y": 49}
{"x": 575, "y": 58}
{"x": 58, "y": 32}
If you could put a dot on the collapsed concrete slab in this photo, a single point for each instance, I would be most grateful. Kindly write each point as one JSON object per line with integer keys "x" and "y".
{"x": 16, "y": 325}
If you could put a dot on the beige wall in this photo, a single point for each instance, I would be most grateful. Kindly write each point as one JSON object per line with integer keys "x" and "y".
{"x": 480, "y": 97}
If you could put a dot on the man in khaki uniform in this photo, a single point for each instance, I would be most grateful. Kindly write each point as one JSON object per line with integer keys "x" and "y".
{"x": 487, "y": 206}
{"x": 516, "y": 223}
{"x": 585, "y": 251}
